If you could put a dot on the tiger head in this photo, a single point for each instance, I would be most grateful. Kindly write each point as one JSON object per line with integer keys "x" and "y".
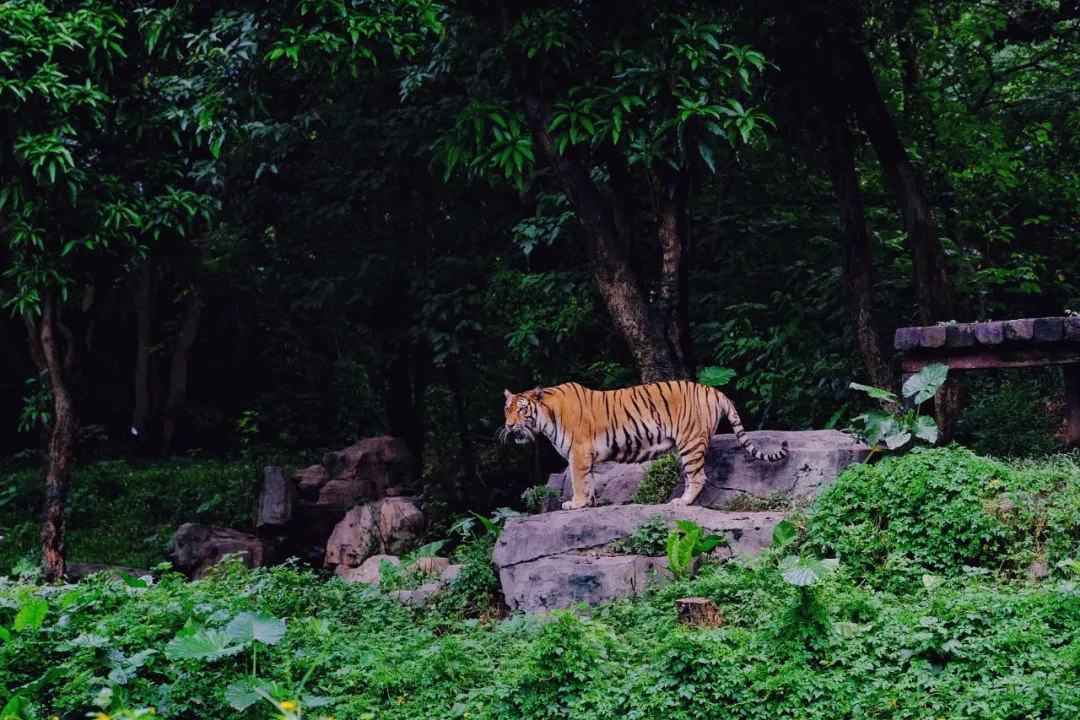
{"x": 522, "y": 416}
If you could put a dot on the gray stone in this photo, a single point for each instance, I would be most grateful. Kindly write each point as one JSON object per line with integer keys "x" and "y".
{"x": 1037, "y": 572}
{"x": 75, "y": 572}
{"x": 933, "y": 336}
{"x": 530, "y": 538}
{"x": 1072, "y": 328}
{"x": 1049, "y": 329}
{"x": 1019, "y": 330}
{"x": 197, "y": 548}
{"x": 369, "y": 572}
{"x": 450, "y": 574}
{"x": 562, "y": 581}
{"x": 433, "y": 566}
{"x": 906, "y": 338}
{"x": 960, "y": 335}
{"x": 419, "y": 597}
{"x": 991, "y": 333}
{"x": 274, "y": 505}
{"x": 815, "y": 458}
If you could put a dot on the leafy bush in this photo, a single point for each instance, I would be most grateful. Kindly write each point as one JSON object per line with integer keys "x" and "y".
{"x": 536, "y": 497}
{"x": 939, "y": 510}
{"x": 123, "y": 512}
{"x": 649, "y": 538}
{"x": 660, "y": 479}
{"x": 1014, "y": 414}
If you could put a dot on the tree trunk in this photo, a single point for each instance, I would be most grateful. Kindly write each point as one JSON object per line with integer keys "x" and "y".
{"x": 457, "y": 392}
{"x": 61, "y": 447}
{"x": 928, "y": 257}
{"x": 619, "y": 286}
{"x": 141, "y": 411}
{"x": 671, "y": 305}
{"x": 178, "y": 375}
{"x": 858, "y": 265}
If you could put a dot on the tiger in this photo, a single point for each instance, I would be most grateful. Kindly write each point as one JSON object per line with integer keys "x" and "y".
{"x": 631, "y": 424}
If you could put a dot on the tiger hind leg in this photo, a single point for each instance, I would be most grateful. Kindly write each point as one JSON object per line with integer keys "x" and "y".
{"x": 692, "y": 459}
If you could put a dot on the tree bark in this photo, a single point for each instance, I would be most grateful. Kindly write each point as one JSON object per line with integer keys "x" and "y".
{"x": 61, "y": 447}
{"x": 141, "y": 411}
{"x": 619, "y": 286}
{"x": 858, "y": 266}
{"x": 928, "y": 257}
{"x": 176, "y": 401}
{"x": 672, "y": 305}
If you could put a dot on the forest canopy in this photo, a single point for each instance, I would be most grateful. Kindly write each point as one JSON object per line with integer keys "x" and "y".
{"x": 285, "y": 225}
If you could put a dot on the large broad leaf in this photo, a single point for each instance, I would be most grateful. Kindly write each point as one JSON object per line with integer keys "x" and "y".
{"x": 715, "y": 376}
{"x": 784, "y": 533}
{"x": 926, "y": 429}
{"x": 32, "y": 615}
{"x": 878, "y": 424}
{"x": 243, "y": 694}
{"x": 876, "y": 393}
{"x": 802, "y": 572}
{"x": 849, "y": 629}
{"x": 925, "y": 383}
{"x": 203, "y": 645}
{"x": 708, "y": 544}
{"x": 250, "y": 627}
{"x": 897, "y": 440}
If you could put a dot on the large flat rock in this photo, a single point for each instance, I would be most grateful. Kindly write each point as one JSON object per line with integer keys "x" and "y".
{"x": 815, "y": 458}
{"x": 560, "y": 559}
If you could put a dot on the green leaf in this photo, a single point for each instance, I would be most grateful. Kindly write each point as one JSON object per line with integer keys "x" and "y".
{"x": 897, "y": 440}
{"x": 931, "y": 581}
{"x": 926, "y": 382}
{"x": 243, "y": 694}
{"x": 715, "y": 376}
{"x": 5, "y": 635}
{"x": 784, "y": 533}
{"x": 32, "y": 615}
{"x": 707, "y": 155}
{"x": 250, "y": 627}
{"x": 709, "y": 543}
{"x": 926, "y": 429}
{"x": 130, "y": 581}
{"x": 802, "y": 572}
{"x": 850, "y": 629}
{"x": 203, "y": 645}
{"x": 876, "y": 393}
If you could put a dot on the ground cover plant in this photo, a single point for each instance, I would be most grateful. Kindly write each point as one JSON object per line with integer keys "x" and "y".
{"x": 826, "y": 624}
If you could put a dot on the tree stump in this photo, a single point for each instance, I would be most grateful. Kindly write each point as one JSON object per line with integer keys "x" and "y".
{"x": 699, "y": 612}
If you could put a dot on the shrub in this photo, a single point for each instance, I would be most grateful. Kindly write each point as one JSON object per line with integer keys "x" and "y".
{"x": 660, "y": 479}
{"x": 939, "y": 510}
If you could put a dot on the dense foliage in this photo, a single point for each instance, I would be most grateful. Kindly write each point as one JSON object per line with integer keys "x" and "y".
{"x": 912, "y": 625}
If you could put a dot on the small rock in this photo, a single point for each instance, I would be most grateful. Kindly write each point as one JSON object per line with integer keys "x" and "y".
{"x": 1049, "y": 329}
{"x": 1037, "y": 572}
{"x": 1019, "y": 330}
{"x": 450, "y": 574}
{"x": 906, "y": 338}
{"x": 197, "y": 548}
{"x": 369, "y": 572}
{"x": 77, "y": 571}
{"x": 274, "y": 505}
{"x": 429, "y": 565}
{"x": 418, "y": 597}
{"x": 960, "y": 335}
{"x": 1072, "y": 328}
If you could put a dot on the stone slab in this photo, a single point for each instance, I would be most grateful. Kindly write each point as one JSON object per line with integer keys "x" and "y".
{"x": 960, "y": 335}
{"x": 991, "y": 333}
{"x": 526, "y": 539}
{"x": 1049, "y": 329}
{"x": 1019, "y": 330}
{"x": 563, "y": 581}
{"x": 933, "y": 336}
{"x": 815, "y": 458}
{"x": 1072, "y": 328}
{"x": 906, "y": 338}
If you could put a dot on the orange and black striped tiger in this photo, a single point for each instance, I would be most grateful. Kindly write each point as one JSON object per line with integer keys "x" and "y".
{"x": 629, "y": 425}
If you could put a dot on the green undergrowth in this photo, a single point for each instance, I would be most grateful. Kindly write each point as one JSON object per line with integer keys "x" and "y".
{"x": 949, "y": 511}
{"x": 660, "y": 479}
{"x": 124, "y": 512}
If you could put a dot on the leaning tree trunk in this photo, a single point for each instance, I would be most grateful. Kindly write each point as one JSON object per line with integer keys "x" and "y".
{"x": 642, "y": 329}
{"x": 928, "y": 257}
{"x": 858, "y": 266}
{"x": 61, "y": 446}
{"x": 672, "y": 306}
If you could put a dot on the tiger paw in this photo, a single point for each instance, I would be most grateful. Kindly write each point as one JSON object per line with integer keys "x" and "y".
{"x": 571, "y": 505}
{"x": 678, "y": 502}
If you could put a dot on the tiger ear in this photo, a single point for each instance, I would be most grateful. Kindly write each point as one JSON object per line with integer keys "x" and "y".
{"x": 538, "y": 393}
{"x": 508, "y": 394}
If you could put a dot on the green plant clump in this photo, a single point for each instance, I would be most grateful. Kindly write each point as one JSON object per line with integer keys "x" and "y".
{"x": 946, "y": 509}
{"x": 660, "y": 479}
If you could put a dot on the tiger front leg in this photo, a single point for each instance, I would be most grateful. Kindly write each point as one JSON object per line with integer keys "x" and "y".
{"x": 581, "y": 464}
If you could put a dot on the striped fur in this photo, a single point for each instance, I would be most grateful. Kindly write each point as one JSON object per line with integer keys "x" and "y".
{"x": 629, "y": 425}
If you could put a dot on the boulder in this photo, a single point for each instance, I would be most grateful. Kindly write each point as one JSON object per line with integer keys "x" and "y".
{"x": 197, "y": 548}
{"x": 369, "y": 572}
{"x": 274, "y": 504}
{"x": 387, "y": 526}
{"x": 369, "y": 470}
{"x": 429, "y": 566}
{"x": 419, "y": 597}
{"x": 815, "y": 459}
{"x": 559, "y": 559}
{"x": 450, "y": 574}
